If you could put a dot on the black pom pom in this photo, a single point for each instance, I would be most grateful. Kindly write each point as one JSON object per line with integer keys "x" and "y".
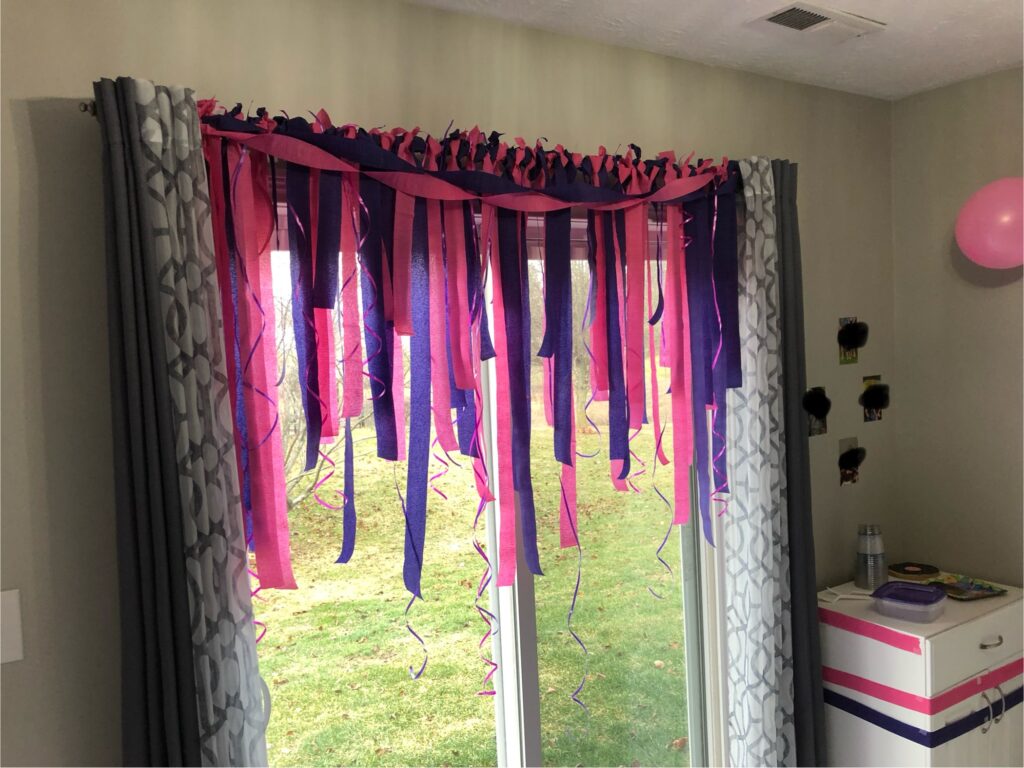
{"x": 853, "y": 335}
{"x": 852, "y": 458}
{"x": 875, "y": 397}
{"x": 816, "y": 402}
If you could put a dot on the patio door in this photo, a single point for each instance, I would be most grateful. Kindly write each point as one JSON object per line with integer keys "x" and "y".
{"x": 612, "y": 672}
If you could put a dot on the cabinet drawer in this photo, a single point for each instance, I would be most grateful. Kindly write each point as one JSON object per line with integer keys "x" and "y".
{"x": 968, "y": 649}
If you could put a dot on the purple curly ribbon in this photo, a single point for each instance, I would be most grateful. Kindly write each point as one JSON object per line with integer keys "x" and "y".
{"x": 575, "y": 696}
{"x": 415, "y": 675}
{"x": 664, "y": 541}
{"x": 412, "y": 599}
{"x": 486, "y": 616}
{"x": 478, "y": 316}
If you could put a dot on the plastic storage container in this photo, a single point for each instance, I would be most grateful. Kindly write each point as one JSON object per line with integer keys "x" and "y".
{"x": 922, "y": 603}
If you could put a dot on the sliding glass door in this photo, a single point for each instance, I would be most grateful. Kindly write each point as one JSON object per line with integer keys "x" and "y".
{"x": 600, "y": 661}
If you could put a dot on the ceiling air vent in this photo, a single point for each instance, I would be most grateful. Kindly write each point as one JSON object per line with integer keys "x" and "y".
{"x": 796, "y": 18}
{"x": 822, "y": 25}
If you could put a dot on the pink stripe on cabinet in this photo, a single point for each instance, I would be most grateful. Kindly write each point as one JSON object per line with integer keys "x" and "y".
{"x": 904, "y": 642}
{"x": 922, "y": 704}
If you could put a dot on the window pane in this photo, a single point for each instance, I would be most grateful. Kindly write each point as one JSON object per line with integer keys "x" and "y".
{"x": 636, "y": 672}
{"x": 336, "y": 653}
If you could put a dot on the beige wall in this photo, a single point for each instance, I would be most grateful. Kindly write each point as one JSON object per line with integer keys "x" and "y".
{"x": 957, "y": 405}
{"x": 373, "y": 63}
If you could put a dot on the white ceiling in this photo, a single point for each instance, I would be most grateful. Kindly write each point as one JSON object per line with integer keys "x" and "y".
{"x": 927, "y": 43}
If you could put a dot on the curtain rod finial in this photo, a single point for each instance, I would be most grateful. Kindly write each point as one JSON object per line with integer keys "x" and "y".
{"x": 87, "y": 106}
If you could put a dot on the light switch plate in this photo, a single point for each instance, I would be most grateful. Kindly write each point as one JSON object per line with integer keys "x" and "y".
{"x": 10, "y": 626}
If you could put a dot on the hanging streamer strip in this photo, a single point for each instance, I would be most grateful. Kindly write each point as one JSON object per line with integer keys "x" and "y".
{"x": 618, "y": 406}
{"x": 419, "y": 426}
{"x": 441, "y": 398}
{"x": 352, "y": 361}
{"x": 514, "y": 285}
{"x": 297, "y": 185}
{"x": 678, "y": 336}
{"x": 636, "y": 257}
{"x": 378, "y": 352}
{"x": 254, "y": 222}
{"x": 506, "y": 490}
{"x": 348, "y": 545}
{"x": 725, "y": 367}
{"x": 696, "y": 245}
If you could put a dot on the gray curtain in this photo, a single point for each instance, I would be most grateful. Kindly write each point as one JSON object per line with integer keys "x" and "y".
{"x": 192, "y": 693}
{"x": 755, "y": 527}
{"x": 807, "y": 691}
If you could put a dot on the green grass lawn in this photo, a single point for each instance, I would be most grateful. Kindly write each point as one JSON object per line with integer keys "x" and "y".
{"x": 336, "y": 651}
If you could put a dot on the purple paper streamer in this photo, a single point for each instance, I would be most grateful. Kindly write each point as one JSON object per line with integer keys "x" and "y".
{"x": 297, "y": 192}
{"x": 511, "y": 242}
{"x": 328, "y": 241}
{"x": 698, "y": 282}
{"x": 420, "y": 411}
{"x": 618, "y": 407}
{"x": 349, "y": 514}
{"x": 378, "y": 356}
{"x": 557, "y": 341}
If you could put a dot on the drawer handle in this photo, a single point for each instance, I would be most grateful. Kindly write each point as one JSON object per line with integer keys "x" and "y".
{"x": 1002, "y": 708}
{"x": 988, "y": 722}
{"x": 986, "y": 646}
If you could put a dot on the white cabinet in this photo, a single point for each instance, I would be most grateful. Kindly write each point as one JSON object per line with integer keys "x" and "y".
{"x": 940, "y": 694}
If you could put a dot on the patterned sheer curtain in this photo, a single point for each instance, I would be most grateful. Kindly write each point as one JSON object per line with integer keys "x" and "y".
{"x": 192, "y": 693}
{"x": 756, "y": 532}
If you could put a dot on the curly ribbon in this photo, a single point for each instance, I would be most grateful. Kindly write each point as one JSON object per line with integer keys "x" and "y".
{"x": 575, "y": 696}
{"x": 717, "y": 398}
{"x": 476, "y": 245}
{"x": 419, "y": 673}
{"x": 489, "y": 619}
{"x": 413, "y": 596}
{"x": 668, "y": 505}
{"x": 678, "y": 343}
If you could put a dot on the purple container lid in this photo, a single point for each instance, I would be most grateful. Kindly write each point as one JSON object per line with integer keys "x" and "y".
{"x": 908, "y": 592}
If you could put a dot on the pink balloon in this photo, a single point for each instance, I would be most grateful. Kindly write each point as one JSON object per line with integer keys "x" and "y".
{"x": 990, "y": 226}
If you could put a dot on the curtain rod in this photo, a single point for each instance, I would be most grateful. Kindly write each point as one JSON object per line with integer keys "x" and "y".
{"x": 88, "y": 107}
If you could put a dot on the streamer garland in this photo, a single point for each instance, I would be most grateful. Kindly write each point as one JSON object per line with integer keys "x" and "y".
{"x": 418, "y": 226}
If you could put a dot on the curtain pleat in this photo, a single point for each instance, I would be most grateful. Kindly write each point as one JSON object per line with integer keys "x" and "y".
{"x": 192, "y": 693}
{"x": 808, "y": 702}
{"x": 755, "y": 527}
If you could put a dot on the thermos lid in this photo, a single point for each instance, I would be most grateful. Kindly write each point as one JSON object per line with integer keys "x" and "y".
{"x": 869, "y": 529}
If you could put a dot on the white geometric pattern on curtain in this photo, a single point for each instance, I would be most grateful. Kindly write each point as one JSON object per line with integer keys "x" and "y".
{"x": 171, "y": 256}
{"x": 755, "y": 532}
